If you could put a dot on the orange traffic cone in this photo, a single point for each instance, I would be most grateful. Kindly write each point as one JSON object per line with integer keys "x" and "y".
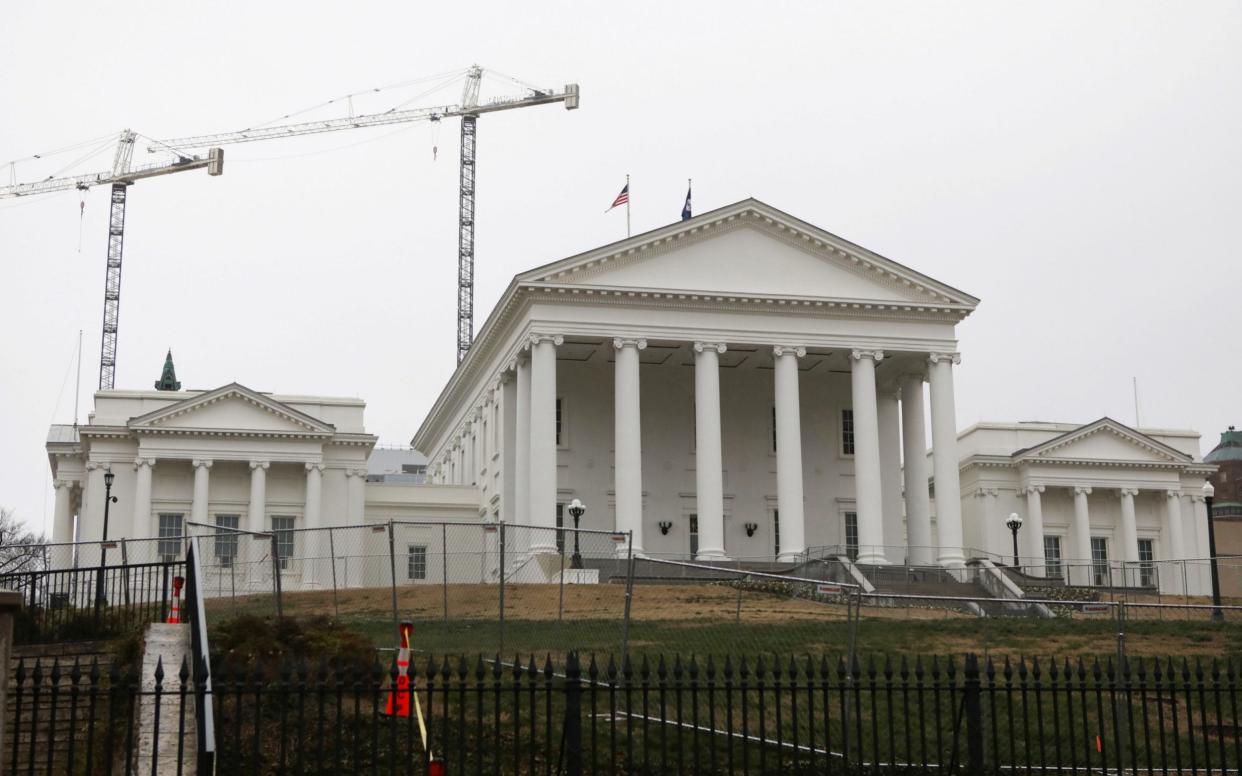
{"x": 174, "y": 613}
{"x": 399, "y": 696}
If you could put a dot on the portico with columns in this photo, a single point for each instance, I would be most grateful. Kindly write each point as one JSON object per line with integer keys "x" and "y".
{"x": 1103, "y": 504}
{"x": 739, "y": 385}
{"x": 230, "y": 457}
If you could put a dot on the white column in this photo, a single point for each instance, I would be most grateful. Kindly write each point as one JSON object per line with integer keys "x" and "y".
{"x": 317, "y": 565}
{"x": 257, "y": 514}
{"x": 1129, "y": 534}
{"x": 1202, "y": 570}
{"x": 202, "y": 474}
{"x": 62, "y": 518}
{"x": 709, "y": 460}
{"x": 867, "y": 481}
{"x": 789, "y": 494}
{"x": 90, "y": 520}
{"x": 314, "y": 495}
{"x": 521, "y": 452}
{"x": 1035, "y": 530}
{"x": 543, "y": 438}
{"x": 888, "y": 413}
{"x": 944, "y": 459}
{"x": 991, "y": 522}
{"x": 1082, "y": 537}
{"x": 355, "y": 494}
{"x": 470, "y": 454}
{"x": 141, "y": 527}
{"x": 914, "y": 468}
{"x": 1177, "y": 548}
{"x": 627, "y": 423}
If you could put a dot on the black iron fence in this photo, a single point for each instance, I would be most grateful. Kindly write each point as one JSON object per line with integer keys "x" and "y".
{"x": 91, "y": 602}
{"x": 659, "y": 716}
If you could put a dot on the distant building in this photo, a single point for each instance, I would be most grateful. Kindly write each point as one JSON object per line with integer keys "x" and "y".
{"x": 1103, "y": 504}
{"x": 234, "y": 457}
{"x": 1227, "y": 511}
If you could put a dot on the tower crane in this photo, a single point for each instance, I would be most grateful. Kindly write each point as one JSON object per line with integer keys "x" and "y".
{"x": 211, "y": 156}
{"x": 468, "y": 111}
{"x": 121, "y": 176}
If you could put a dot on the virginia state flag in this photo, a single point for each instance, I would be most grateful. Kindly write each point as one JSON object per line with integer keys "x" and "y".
{"x": 685, "y": 209}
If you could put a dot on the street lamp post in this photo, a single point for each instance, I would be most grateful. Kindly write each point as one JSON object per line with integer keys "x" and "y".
{"x": 1218, "y": 615}
{"x": 1014, "y": 523}
{"x": 576, "y": 511}
{"x": 109, "y": 500}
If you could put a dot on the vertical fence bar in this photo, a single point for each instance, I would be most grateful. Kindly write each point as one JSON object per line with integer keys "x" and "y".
{"x": 280, "y": 612}
{"x": 502, "y": 587}
{"x": 974, "y": 715}
{"x": 336, "y": 604}
{"x": 444, "y": 567}
{"x": 629, "y": 595}
{"x": 392, "y": 575}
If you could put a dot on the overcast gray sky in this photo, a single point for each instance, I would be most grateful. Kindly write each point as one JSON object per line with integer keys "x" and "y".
{"x": 1076, "y": 165}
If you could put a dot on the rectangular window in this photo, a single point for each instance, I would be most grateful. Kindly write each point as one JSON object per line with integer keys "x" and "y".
{"x": 1147, "y": 563}
{"x": 282, "y": 526}
{"x": 1099, "y": 561}
{"x": 559, "y": 421}
{"x": 1052, "y": 556}
{"x": 851, "y": 535}
{"x": 416, "y": 562}
{"x": 560, "y": 528}
{"x": 694, "y": 535}
{"x": 226, "y": 540}
{"x": 847, "y": 432}
{"x": 170, "y": 536}
{"x": 776, "y": 532}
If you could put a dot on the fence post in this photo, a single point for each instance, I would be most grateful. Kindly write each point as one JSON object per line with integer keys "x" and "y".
{"x": 560, "y": 607}
{"x": 1121, "y": 700}
{"x": 629, "y": 594}
{"x": 336, "y": 604}
{"x": 573, "y": 715}
{"x": 125, "y": 569}
{"x": 280, "y": 611}
{"x": 502, "y": 587}
{"x": 974, "y": 715}
{"x": 392, "y": 575}
{"x": 444, "y": 567}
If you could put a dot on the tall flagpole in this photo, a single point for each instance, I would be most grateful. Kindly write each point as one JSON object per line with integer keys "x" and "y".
{"x": 629, "y": 196}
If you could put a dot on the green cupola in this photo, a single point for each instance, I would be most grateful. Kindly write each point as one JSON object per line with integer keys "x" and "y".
{"x": 168, "y": 380}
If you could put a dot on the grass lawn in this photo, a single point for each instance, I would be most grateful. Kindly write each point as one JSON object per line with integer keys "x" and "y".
{"x": 710, "y": 619}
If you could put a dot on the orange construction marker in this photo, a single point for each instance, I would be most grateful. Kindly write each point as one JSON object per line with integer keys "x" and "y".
{"x": 1099, "y": 743}
{"x": 399, "y": 696}
{"x": 174, "y": 613}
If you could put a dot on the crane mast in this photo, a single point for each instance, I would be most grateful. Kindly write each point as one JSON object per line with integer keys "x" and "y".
{"x": 468, "y": 111}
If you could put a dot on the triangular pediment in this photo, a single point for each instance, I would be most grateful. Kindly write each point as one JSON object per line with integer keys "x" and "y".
{"x": 746, "y": 250}
{"x": 233, "y": 408}
{"x": 1104, "y": 440}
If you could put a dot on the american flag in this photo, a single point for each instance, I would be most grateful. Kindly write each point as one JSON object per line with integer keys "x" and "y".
{"x": 622, "y": 199}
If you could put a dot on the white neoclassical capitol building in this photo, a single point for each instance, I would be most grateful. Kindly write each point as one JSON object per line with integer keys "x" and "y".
{"x": 738, "y": 385}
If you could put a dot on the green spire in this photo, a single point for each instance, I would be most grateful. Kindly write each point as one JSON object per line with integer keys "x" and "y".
{"x": 168, "y": 380}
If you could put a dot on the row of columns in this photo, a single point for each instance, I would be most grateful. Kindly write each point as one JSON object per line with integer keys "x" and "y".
{"x": 1173, "y": 527}
{"x": 534, "y": 465}
{"x": 141, "y": 511}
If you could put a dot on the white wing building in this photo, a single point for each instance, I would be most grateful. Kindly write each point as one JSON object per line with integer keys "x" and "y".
{"x": 729, "y": 386}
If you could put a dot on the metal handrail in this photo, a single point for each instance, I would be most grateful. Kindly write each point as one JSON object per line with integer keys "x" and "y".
{"x": 204, "y": 711}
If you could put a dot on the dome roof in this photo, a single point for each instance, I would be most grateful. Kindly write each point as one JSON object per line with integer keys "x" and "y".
{"x": 1229, "y": 449}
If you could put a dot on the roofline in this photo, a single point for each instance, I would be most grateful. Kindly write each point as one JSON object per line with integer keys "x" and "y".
{"x": 1018, "y": 454}
{"x": 176, "y": 396}
{"x": 310, "y": 420}
{"x": 471, "y": 363}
